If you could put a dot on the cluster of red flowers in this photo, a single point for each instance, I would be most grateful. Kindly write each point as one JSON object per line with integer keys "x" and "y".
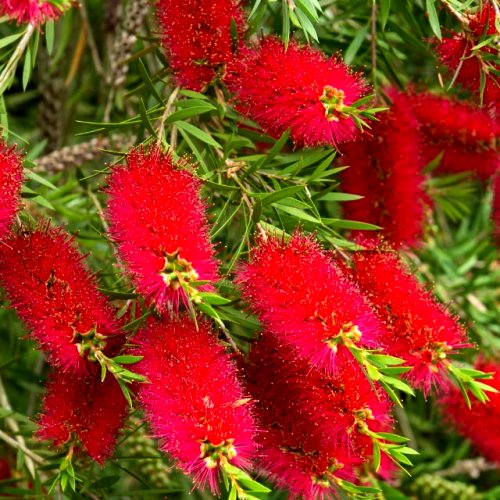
{"x": 418, "y": 329}
{"x": 198, "y": 38}
{"x": 317, "y": 411}
{"x": 42, "y": 274}
{"x": 305, "y": 300}
{"x": 193, "y": 399}
{"x": 148, "y": 198}
{"x": 387, "y": 169}
{"x": 34, "y": 12}
{"x": 321, "y": 310}
{"x": 315, "y": 418}
{"x": 465, "y": 61}
{"x": 54, "y": 294}
{"x": 314, "y": 426}
{"x": 481, "y": 422}
{"x": 11, "y": 177}
{"x": 295, "y": 87}
{"x": 466, "y": 136}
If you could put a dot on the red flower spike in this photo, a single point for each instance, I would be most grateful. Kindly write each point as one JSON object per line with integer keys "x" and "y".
{"x": 198, "y": 39}
{"x": 52, "y": 292}
{"x": 447, "y": 120}
{"x": 298, "y": 88}
{"x": 35, "y": 12}
{"x": 194, "y": 401}
{"x": 361, "y": 178}
{"x": 387, "y": 171}
{"x": 466, "y": 64}
{"x": 305, "y": 300}
{"x": 455, "y": 159}
{"x": 84, "y": 409}
{"x": 311, "y": 422}
{"x": 159, "y": 224}
{"x": 419, "y": 330}
{"x": 11, "y": 178}
{"x": 481, "y": 422}
{"x": 483, "y": 21}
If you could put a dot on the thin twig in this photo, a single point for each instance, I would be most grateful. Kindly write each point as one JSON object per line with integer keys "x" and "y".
{"x": 33, "y": 457}
{"x": 90, "y": 39}
{"x": 19, "y": 440}
{"x": 166, "y": 114}
{"x": 472, "y": 467}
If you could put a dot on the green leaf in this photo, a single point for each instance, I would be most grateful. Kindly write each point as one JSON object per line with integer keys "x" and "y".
{"x": 125, "y": 391}
{"x": 147, "y": 81}
{"x": 41, "y": 180}
{"x": 127, "y": 359}
{"x": 297, "y": 212}
{"x": 198, "y": 133}
{"x": 213, "y": 299}
{"x": 399, "y": 384}
{"x": 355, "y": 45}
{"x": 350, "y": 224}
{"x": 339, "y": 197}
{"x": 28, "y": 66}
{"x": 268, "y": 199}
{"x": 104, "y": 482}
{"x": 395, "y": 438}
{"x": 430, "y": 7}
{"x": 385, "y": 8}
{"x": 285, "y": 17}
{"x": 49, "y": 35}
{"x": 376, "y": 456}
{"x": 188, "y": 112}
{"x": 7, "y": 40}
{"x": 193, "y": 94}
{"x": 384, "y": 360}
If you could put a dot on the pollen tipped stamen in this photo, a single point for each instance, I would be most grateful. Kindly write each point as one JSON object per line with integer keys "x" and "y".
{"x": 333, "y": 102}
{"x": 349, "y": 335}
{"x": 89, "y": 344}
{"x": 328, "y": 478}
{"x": 177, "y": 271}
{"x": 214, "y": 455}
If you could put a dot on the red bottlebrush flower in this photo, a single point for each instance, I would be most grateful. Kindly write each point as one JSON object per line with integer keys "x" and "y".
{"x": 447, "y": 120}
{"x": 481, "y": 422}
{"x": 387, "y": 171}
{"x": 304, "y": 299}
{"x": 298, "y": 88}
{"x": 419, "y": 330}
{"x": 362, "y": 178}
{"x": 455, "y": 159}
{"x": 198, "y": 38}
{"x": 11, "y": 178}
{"x": 194, "y": 401}
{"x": 483, "y": 21}
{"x": 83, "y": 408}
{"x": 465, "y": 65}
{"x": 312, "y": 424}
{"x": 52, "y": 292}
{"x": 467, "y": 136}
{"x": 34, "y": 12}
{"x": 159, "y": 224}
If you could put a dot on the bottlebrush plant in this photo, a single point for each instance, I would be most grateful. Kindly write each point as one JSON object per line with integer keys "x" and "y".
{"x": 248, "y": 250}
